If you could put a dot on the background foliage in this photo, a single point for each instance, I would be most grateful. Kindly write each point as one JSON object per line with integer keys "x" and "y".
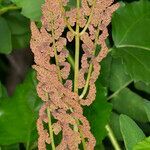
{"x": 123, "y": 88}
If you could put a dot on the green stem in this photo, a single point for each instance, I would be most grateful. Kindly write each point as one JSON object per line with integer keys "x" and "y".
{"x": 77, "y": 41}
{"x": 76, "y": 71}
{"x": 50, "y": 129}
{"x": 71, "y": 61}
{"x": 8, "y": 8}
{"x": 90, "y": 69}
{"x": 56, "y": 58}
{"x": 77, "y": 50}
{"x": 119, "y": 90}
{"x": 82, "y": 139}
{"x": 87, "y": 82}
{"x": 50, "y": 125}
{"x": 65, "y": 19}
{"x": 89, "y": 20}
{"x": 112, "y": 138}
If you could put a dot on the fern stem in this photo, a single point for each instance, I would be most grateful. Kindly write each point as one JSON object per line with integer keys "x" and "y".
{"x": 89, "y": 20}
{"x": 50, "y": 125}
{"x": 90, "y": 70}
{"x": 76, "y": 71}
{"x": 65, "y": 19}
{"x": 56, "y": 57}
{"x": 50, "y": 129}
{"x": 77, "y": 50}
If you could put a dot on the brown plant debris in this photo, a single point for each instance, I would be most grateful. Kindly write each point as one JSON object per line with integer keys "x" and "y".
{"x": 54, "y": 87}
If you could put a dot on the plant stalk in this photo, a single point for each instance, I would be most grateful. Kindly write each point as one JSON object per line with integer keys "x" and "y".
{"x": 65, "y": 19}
{"x": 76, "y": 71}
{"x": 89, "y": 20}
{"x": 112, "y": 138}
{"x": 56, "y": 57}
{"x": 90, "y": 70}
{"x": 50, "y": 129}
{"x": 76, "y": 74}
{"x": 77, "y": 50}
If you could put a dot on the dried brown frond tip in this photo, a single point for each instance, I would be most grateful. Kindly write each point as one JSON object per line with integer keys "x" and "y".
{"x": 55, "y": 88}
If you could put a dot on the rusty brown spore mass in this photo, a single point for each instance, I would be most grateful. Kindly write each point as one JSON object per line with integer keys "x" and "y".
{"x": 48, "y": 43}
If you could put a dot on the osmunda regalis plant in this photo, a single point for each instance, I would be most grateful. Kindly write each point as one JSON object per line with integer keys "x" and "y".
{"x": 63, "y": 97}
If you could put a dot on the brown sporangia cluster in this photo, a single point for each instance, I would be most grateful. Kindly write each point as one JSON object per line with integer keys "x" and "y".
{"x": 54, "y": 87}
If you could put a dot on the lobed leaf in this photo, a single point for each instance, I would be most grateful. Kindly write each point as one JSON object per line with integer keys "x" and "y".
{"x": 130, "y": 28}
{"x": 17, "y": 23}
{"x": 18, "y": 114}
{"x": 30, "y": 8}
{"x": 113, "y": 74}
{"x": 131, "y": 104}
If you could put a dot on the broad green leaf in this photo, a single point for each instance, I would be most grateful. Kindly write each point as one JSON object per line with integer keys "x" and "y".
{"x": 137, "y": 62}
{"x": 130, "y": 27}
{"x": 5, "y": 2}
{"x": 147, "y": 109}
{"x": 131, "y": 133}
{"x": 3, "y": 92}
{"x": 143, "y": 145}
{"x": 10, "y": 147}
{"x": 30, "y": 8}
{"x": 142, "y": 87}
{"x": 99, "y": 147}
{"x": 115, "y": 126}
{"x": 0, "y": 90}
{"x": 131, "y": 104}
{"x": 98, "y": 113}
{"x": 18, "y": 23}
{"x": 5, "y": 37}
{"x": 21, "y": 41}
{"x": 18, "y": 114}
{"x": 113, "y": 74}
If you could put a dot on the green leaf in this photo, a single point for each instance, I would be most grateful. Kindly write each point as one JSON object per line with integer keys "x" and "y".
{"x": 130, "y": 27}
{"x": 113, "y": 74}
{"x": 18, "y": 23}
{"x": 143, "y": 145}
{"x": 18, "y": 114}
{"x": 5, "y": 37}
{"x": 3, "y": 92}
{"x": 142, "y": 87}
{"x": 98, "y": 113}
{"x": 115, "y": 126}
{"x": 21, "y": 41}
{"x": 147, "y": 109}
{"x": 30, "y": 8}
{"x": 131, "y": 104}
{"x": 131, "y": 133}
{"x": 99, "y": 147}
{"x": 10, "y": 147}
{"x": 0, "y": 90}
